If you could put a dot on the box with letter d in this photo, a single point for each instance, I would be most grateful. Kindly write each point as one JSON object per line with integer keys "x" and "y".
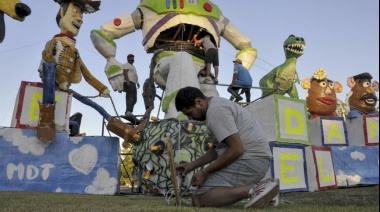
{"x": 283, "y": 119}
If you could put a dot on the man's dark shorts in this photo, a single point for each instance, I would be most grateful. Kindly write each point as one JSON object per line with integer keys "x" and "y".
{"x": 212, "y": 57}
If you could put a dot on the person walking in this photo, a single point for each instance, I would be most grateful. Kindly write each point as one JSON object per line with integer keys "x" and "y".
{"x": 236, "y": 165}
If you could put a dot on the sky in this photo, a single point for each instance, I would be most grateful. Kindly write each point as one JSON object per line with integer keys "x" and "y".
{"x": 342, "y": 36}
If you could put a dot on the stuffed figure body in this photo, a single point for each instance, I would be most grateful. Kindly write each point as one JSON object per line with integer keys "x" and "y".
{"x": 69, "y": 67}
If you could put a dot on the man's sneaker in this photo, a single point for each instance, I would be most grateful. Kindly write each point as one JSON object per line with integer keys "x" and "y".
{"x": 276, "y": 200}
{"x": 128, "y": 113}
{"x": 238, "y": 99}
{"x": 208, "y": 80}
{"x": 216, "y": 81}
{"x": 261, "y": 194}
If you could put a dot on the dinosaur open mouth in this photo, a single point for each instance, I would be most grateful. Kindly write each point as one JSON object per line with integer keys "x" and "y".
{"x": 296, "y": 48}
{"x": 327, "y": 100}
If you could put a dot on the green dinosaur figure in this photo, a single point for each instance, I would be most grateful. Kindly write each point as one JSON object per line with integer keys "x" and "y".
{"x": 284, "y": 76}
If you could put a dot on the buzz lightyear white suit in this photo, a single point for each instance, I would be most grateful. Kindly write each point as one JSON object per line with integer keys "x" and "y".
{"x": 169, "y": 25}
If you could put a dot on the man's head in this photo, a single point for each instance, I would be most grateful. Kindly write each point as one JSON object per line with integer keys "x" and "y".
{"x": 192, "y": 103}
{"x": 131, "y": 58}
{"x": 363, "y": 96}
{"x": 237, "y": 61}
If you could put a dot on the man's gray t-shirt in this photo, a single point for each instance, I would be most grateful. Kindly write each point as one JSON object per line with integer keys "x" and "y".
{"x": 225, "y": 118}
{"x": 207, "y": 44}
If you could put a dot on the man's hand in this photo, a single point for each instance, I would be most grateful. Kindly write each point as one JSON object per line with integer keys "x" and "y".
{"x": 183, "y": 169}
{"x": 138, "y": 85}
{"x": 64, "y": 86}
{"x": 114, "y": 73}
{"x": 198, "y": 179}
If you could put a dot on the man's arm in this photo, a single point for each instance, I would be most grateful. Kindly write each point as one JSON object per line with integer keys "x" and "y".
{"x": 125, "y": 73}
{"x": 95, "y": 83}
{"x": 234, "y": 77}
{"x": 196, "y": 42}
{"x": 208, "y": 157}
{"x": 233, "y": 152}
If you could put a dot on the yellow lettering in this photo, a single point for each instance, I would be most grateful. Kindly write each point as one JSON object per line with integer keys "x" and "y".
{"x": 325, "y": 178}
{"x": 334, "y": 131}
{"x": 294, "y": 130}
{"x": 373, "y": 128}
{"x": 284, "y": 168}
{"x": 34, "y": 106}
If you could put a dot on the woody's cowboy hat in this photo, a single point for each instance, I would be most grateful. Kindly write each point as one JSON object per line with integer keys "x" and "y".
{"x": 88, "y": 6}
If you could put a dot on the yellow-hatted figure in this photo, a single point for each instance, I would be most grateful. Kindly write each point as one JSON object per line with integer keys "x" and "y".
{"x": 69, "y": 67}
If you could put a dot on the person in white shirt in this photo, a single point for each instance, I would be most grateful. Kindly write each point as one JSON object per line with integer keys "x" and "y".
{"x": 131, "y": 81}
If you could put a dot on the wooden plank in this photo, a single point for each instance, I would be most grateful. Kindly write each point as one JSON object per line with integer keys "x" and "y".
{"x": 173, "y": 171}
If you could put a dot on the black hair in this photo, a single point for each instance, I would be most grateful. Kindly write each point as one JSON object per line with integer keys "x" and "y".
{"x": 362, "y": 76}
{"x": 186, "y": 97}
{"x": 318, "y": 80}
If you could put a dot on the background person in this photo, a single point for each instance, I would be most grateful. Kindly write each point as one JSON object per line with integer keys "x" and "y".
{"x": 131, "y": 80}
{"x": 149, "y": 93}
{"x": 240, "y": 77}
{"x": 212, "y": 56}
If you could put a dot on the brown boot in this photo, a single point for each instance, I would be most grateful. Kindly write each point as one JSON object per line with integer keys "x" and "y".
{"x": 46, "y": 125}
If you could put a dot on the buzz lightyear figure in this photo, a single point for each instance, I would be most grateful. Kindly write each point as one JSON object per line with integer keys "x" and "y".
{"x": 169, "y": 26}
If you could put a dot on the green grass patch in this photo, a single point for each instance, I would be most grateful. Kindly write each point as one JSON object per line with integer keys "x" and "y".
{"x": 342, "y": 199}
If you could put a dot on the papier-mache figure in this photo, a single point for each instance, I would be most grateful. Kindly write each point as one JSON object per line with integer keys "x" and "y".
{"x": 69, "y": 67}
{"x": 321, "y": 99}
{"x": 362, "y": 99}
{"x": 14, "y": 9}
{"x": 283, "y": 77}
{"x": 170, "y": 26}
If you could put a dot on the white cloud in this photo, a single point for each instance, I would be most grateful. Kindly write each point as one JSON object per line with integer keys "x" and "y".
{"x": 77, "y": 139}
{"x": 345, "y": 180}
{"x": 102, "y": 183}
{"x": 357, "y": 156}
{"x": 24, "y": 143}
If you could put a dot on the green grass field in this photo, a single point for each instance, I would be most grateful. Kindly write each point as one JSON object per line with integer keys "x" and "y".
{"x": 342, "y": 199}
